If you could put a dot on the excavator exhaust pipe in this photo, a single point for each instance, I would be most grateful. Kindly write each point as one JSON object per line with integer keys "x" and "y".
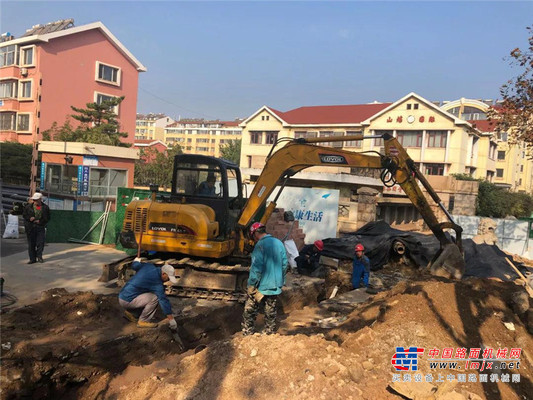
{"x": 448, "y": 262}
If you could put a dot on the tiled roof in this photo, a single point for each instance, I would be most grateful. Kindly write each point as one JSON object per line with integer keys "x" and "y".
{"x": 343, "y": 114}
{"x": 483, "y": 125}
{"x": 230, "y": 123}
{"x": 150, "y": 116}
{"x": 49, "y": 27}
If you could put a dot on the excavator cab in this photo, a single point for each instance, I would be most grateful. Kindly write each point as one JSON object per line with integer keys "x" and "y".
{"x": 213, "y": 182}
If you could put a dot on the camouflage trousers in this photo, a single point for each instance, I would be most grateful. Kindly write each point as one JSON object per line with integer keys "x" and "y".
{"x": 251, "y": 309}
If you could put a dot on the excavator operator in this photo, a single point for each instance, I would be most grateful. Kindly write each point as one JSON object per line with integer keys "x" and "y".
{"x": 207, "y": 187}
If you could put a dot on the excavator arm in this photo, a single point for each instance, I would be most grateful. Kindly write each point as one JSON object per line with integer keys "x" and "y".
{"x": 397, "y": 168}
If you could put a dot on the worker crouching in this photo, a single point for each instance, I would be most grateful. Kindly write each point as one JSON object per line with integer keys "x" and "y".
{"x": 267, "y": 277}
{"x": 144, "y": 291}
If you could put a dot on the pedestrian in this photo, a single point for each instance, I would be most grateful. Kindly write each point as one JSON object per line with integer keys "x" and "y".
{"x": 36, "y": 215}
{"x": 361, "y": 267}
{"x": 141, "y": 294}
{"x": 309, "y": 259}
{"x": 267, "y": 277}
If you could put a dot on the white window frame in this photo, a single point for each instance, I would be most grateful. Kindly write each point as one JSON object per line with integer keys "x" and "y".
{"x": 29, "y": 122}
{"x": 14, "y": 90}
{"x": 116, "y": 108}
{"x": 13, "y": 126}
{"x": 21, "y": 56}
{"x": 15, "y": 60}
{"x": 97, "y": 72}
{"x": 20, "y": 86}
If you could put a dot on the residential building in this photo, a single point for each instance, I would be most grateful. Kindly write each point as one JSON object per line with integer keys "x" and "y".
{"x": 151, "y": 126}
{"x": 509, "y": 167}
{"x": 438, "y": 141}
{"x": 198, "y": 136}
{"x": 58, "y": 65}
{"x": 147, "y": 145}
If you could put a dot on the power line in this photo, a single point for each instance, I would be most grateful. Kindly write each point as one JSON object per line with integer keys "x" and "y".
{"x": 176, "y": 105}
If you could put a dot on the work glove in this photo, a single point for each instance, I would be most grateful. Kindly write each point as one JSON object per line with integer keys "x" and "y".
{"x": 138, "y": 259}
{"x": 173, "y": 324}
{"x": 251, "y": 290}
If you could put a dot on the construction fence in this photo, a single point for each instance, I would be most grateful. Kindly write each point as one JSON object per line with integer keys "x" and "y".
{"x": 66, "y": 225}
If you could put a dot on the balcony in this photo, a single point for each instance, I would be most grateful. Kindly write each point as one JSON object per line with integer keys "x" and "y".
{"x": 10, "y": 104}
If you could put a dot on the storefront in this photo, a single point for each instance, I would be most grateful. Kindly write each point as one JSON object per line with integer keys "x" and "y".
{"x": 83, "y": 176}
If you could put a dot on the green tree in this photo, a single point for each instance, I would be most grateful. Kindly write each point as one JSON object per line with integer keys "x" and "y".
{"x": 15, "y": 163}
{"x": 64, "y": 133}
{"x": 495, "y": 202}
{"x": 98, "y": 124}
{"x": 231, "y": 151}
{"x": 515, "y": 115}
{"x": 491, "y": 201}
{"x": 156, "y": 167}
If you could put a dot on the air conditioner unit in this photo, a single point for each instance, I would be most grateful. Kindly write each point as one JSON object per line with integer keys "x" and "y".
{"x": 24, "y": 71}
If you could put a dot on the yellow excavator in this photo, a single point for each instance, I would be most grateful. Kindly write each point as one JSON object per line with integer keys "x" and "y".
{"x": 202, "y": 227}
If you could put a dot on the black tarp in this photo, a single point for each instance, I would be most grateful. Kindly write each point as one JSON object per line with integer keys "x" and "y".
{"x": 377, "y": 237}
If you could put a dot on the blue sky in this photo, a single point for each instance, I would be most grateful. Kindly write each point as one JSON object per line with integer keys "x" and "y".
{"x": 227, "y": 59}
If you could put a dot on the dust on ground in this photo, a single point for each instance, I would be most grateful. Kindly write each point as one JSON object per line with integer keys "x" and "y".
{"x": 77, "y": 346}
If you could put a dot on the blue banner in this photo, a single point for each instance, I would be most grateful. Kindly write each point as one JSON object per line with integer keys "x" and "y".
{"x": 85, "y": 181}
{"x": 43, "y": 174}
{"x": 80, "y": 178}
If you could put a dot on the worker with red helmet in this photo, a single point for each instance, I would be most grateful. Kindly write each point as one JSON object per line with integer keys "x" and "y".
{"x": 309, "y": 259}
{"x": 267, "y": 277}
{"x": 361, "y": 267}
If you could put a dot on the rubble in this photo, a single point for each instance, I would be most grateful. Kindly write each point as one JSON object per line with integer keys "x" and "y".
{"x": 351, "y": 357}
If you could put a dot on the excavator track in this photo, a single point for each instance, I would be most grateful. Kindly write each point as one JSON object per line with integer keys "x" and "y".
{"x": 197, "y": 278}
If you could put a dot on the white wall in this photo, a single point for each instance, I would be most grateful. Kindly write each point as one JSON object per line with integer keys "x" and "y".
{"x": 512, "y": 234}
{"x": 316, "y": 210}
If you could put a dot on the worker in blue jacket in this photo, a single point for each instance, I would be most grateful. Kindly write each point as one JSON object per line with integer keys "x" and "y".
{"x": 144, "y": 291}
{"x": 361, "y": 267}
{"x": 267, "y": 277}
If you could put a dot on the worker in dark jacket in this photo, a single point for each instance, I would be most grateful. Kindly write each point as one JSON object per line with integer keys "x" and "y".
{"x": 144, "y": 291}
{"x": 309, "y": 258}
{"x": 361, "y": 267}
{"x": 267, "y": 277}
{"x": 36, "y": 215}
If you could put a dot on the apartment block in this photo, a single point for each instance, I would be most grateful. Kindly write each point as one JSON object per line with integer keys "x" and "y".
{"x": 58, "y": 65}
{"x": 197, "y": 136}
{"x": 507, "y": 166}
{"x": 151, "y": 126}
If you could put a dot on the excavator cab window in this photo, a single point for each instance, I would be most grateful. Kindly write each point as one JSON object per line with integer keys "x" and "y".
{"x": 199, "y": 180}
{"x": 209, "y": 181}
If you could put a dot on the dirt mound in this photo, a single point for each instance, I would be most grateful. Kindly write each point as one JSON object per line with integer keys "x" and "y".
{"x": 68, "y": 338}
{"x": 353, "y": 359}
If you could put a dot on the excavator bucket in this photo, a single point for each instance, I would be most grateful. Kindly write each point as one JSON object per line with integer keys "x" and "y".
{"x": 448, "y": 262}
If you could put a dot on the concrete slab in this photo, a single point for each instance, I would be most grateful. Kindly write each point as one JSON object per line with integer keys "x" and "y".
{"x": 75, "y": 267}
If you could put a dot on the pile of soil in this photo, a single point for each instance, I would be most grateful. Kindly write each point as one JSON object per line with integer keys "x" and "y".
{"x": 58, "y": 352}
{"x": 68, "y": 338}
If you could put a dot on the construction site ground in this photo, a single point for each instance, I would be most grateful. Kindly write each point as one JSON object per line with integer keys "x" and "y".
{"x": 71, "y": 340}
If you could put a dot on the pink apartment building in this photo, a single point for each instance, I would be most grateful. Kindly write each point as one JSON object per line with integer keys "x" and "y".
{"x": 58, "y": 65}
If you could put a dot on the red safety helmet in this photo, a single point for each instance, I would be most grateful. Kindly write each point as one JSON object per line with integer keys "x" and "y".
{"x": 359, "y": 247}
{"x": 255, "y": 226}
{"x": 319, "y": 244}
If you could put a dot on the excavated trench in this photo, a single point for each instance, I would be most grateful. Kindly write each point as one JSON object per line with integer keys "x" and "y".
{"x": 55, "y": 347}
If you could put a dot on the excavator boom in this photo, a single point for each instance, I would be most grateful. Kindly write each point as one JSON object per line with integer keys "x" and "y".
{"x": 397, "y": 168}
